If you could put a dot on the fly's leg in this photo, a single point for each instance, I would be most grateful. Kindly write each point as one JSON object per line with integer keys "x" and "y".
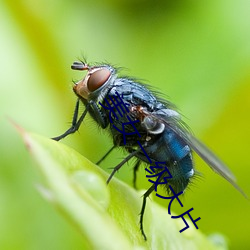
{"x": 135, "y": 169}
{"x": 105, "y": 155}
{"x": 116, "y": 168}
{"x": 99, "y": 116}
{"x": 145, "y": 196}
{"x": 75, "y": 124}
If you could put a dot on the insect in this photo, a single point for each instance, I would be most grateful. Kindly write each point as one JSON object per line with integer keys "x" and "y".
{"x": 161, "y": 134}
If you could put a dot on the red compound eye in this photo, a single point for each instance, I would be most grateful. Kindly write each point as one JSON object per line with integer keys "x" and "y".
{"x": 97, "y": 79}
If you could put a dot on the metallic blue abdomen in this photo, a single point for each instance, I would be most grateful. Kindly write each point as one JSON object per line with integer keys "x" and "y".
{"x": 169, "y": 148}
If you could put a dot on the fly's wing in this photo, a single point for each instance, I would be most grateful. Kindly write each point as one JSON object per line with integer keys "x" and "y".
{"x": 174, "y": 123}
{"x": 212, "y": 160}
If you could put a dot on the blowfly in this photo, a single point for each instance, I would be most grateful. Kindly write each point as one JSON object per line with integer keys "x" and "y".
{"x": 148, "y": 127}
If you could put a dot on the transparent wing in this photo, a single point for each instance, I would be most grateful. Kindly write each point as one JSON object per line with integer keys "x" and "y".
{"x": 175, "y": 124}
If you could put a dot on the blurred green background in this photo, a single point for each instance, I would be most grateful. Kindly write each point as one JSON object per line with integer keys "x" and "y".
{"x": 195, "y": 52}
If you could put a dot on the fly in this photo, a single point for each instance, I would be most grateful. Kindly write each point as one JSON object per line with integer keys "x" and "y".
{"x": 161, "y": 134}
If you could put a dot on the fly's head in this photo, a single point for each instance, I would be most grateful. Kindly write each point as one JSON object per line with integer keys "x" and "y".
{"x": 96, "y": 79}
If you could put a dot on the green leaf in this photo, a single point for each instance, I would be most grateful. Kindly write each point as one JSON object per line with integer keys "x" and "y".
{"x": 106, "y": 216}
